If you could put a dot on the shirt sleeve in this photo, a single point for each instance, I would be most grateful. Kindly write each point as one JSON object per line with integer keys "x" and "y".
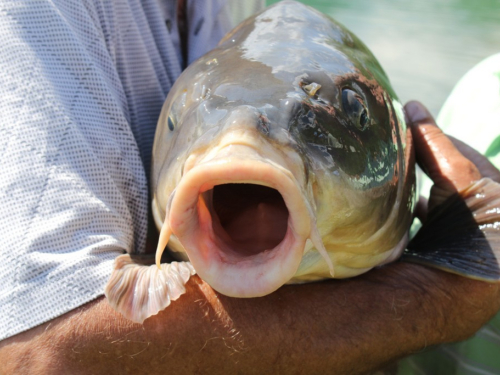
{"x": 208, "y": 21}
{"x": 82, "y": 83}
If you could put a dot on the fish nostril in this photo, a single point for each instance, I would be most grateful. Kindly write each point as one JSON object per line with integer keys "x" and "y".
{"x": 263, "y": 124}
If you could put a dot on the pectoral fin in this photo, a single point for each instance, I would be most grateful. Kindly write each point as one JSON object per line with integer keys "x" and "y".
{"x": 462, "y": 235}
{"x": 138, "y": 291}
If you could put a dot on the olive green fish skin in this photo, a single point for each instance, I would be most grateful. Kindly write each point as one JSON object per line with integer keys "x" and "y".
{"x": 264, "y": 56}
{"x": 261, "y": 73}
{"x": 282, "y": 156}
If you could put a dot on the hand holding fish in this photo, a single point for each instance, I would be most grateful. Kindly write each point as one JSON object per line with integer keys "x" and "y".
{"x": 340, "y": 326}
{"x": 424, "y": 133}
{"x": 309, "y": 141}
{"x": 304, "y": 172}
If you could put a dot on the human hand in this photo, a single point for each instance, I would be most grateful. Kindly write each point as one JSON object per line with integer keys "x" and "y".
{"x": 450, "y": 163}
{"x": 485, "y": 167}
{"x": 453, "y": 166}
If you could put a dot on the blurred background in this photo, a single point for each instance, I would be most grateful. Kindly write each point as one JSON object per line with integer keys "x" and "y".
{"x": 425, "y": 46}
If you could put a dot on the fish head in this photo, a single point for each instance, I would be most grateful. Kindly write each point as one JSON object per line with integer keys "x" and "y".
{"x": 282, "y": 156}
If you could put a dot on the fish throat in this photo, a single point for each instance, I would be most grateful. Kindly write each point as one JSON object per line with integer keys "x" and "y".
{"x": 247, "y": 219}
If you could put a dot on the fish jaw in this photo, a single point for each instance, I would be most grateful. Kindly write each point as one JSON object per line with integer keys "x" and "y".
{"x": 218, "y": 258}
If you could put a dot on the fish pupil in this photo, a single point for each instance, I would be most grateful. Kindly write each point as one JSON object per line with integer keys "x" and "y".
{"x": 170, "y": 123}
{"x": 363, "y": 119}
{"x": 355, "y": 109}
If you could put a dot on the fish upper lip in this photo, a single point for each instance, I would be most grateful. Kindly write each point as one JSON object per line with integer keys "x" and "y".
{"x": 218, "y": 155}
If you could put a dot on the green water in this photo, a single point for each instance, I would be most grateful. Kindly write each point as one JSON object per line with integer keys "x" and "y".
{"x": 425, "y": 46}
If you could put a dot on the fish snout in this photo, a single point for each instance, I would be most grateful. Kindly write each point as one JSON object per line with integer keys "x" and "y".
{"x": 243, "y": 210}
{"x": 242, "y": 214}
{"x": 246, "y": 125}
{"x": 248, "y": 133}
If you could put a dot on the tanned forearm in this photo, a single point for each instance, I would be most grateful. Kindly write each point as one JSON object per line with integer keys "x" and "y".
{"x": 340, "y": 326}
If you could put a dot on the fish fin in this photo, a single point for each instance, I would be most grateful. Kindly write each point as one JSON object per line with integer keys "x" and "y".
{"x": 462, "y": 235}
{"x": 165, "y": 234}
{"x": 318, "y": 244}
{"x": 138, "y": 291}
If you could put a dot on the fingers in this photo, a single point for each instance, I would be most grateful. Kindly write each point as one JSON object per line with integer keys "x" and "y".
{"x": 481, "y": 162}
{"x": 436, "y": 154}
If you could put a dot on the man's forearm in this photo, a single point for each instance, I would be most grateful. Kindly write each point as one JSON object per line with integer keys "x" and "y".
{"x": 341, "y": 326}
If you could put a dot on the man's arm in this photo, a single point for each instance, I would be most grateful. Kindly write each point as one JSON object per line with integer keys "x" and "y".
{"x": 340, "y": 326}
{"x": 345, "y": 326}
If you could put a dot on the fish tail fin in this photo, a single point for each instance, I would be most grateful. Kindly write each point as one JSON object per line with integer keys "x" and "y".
{"x": 138, "y": 291}
{"x": 462, "y": 235}
{"x": 318, "y": 244}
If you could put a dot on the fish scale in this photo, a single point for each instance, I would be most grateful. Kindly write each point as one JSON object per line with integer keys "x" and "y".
{"x": 282, "y": 156}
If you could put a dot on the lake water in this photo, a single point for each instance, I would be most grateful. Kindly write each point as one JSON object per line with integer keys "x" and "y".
{"x": 425, "y": 46}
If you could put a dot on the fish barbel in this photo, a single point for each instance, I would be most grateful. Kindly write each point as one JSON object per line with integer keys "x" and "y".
{"x": 282, "y": 156}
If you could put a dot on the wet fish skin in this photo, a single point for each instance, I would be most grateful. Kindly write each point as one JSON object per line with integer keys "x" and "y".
{"x": 290, "y": 125}
{"x": 253, "y": 90}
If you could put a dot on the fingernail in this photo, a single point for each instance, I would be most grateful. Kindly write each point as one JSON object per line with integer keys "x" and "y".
{"x": 416, "y": 112}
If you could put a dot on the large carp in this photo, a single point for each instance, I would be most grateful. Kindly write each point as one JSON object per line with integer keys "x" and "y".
{"x": 281, "y": 156}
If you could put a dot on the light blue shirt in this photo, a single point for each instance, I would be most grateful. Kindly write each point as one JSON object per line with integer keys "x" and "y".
{"x": 82, "y": 83}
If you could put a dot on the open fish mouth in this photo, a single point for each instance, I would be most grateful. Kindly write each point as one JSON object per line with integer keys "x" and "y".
{"x": 243, "y": 224}
{"x": 247, "y": 218}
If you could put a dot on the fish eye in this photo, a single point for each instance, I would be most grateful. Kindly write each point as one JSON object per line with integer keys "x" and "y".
{"x": 355, "y": 108}
{"x": 170, "y": 122}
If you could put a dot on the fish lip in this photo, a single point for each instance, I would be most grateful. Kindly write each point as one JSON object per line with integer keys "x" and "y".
{"x": 191, "y": 222}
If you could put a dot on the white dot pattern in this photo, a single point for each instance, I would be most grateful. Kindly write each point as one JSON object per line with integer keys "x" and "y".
{"x": 82, "y": 83}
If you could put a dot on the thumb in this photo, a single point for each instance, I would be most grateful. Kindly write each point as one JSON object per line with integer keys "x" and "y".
{"x": 437, "y": 155}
